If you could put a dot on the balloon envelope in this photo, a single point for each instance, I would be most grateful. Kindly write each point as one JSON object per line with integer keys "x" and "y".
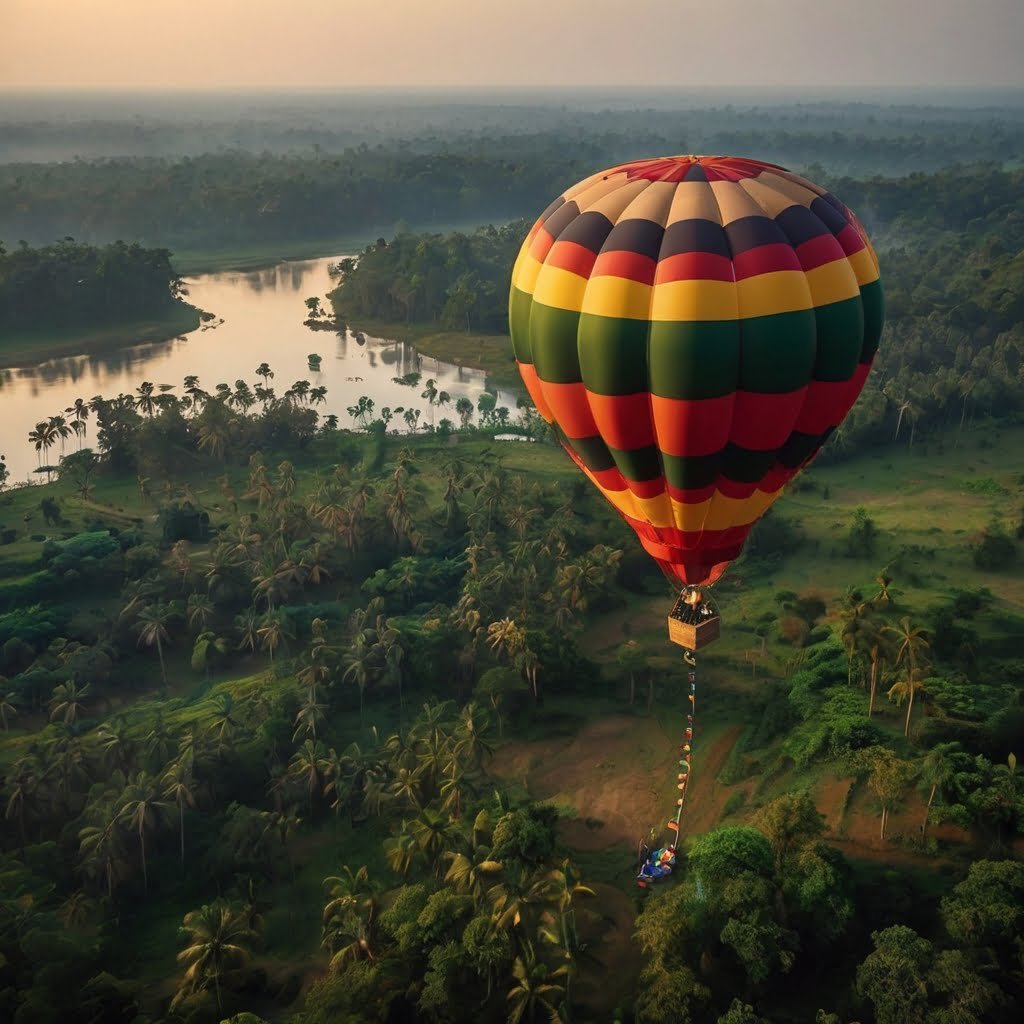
{"x": 694, "y": 328}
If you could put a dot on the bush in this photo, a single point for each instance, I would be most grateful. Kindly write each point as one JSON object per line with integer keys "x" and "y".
{"x": 995, "y": 550}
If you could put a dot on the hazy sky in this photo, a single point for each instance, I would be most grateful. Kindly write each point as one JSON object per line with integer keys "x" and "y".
{"x": 331, "y": 43}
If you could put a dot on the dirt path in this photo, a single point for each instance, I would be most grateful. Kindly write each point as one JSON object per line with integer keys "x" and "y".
{"x": 616, "y": 773}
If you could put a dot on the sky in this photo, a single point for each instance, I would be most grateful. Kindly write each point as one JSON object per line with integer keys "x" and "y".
{"x": 288, "y": 44}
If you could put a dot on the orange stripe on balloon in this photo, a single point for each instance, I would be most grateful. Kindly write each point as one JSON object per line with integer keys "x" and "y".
{"x": 624, "y": 421}
{"x": 570, "y": 408}
{"x": 698, "y": 426}
{"x": 533, "y": 386}
{"x": 541, "y": 243}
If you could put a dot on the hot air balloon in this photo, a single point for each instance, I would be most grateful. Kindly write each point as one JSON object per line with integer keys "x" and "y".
{"x": 694, "y": 328}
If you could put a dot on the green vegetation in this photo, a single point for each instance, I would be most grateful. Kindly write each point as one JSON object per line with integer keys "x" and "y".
{"x": 72, "y": 297}
{"x": 313, "y": 725}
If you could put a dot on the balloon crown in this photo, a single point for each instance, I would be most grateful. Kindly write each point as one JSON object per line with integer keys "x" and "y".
{"x": 693, "y": 167}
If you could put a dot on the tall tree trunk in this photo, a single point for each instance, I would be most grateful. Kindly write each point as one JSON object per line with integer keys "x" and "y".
{"x": 874, "y": 683}
{"x": 910, "y": 704}
{"x": 885, "y": 814}
{"x": 160, "y": 654}
{"x": 145, "y": 873}
{"x": 928, "y": 809}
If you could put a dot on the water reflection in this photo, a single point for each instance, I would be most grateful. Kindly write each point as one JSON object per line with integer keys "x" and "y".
{"x": 259, "y": 319}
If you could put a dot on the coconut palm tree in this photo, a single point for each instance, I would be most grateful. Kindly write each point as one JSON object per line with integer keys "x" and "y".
{"x": 309, "y": 765}
{"x": 144, "y": 811}
{"x": 219, "y": 937}
{"x": 61, "y": 430}
{"x": 938, "y": 769}
{"x": 910, "y": 643}
{"x": 152, "y": 629}
{"x": 472, "y": 872}
{"x": 179, "y": 787}
{"x": 8, "y": 700}
{"x": 401, "y": 850}
{"x": 535, "y": 988}
{"x": 434, "y": 834}
{"x": 68, "y": 702}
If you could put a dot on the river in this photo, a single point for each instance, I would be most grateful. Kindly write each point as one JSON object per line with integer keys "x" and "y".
{"x": 258, "y": 318}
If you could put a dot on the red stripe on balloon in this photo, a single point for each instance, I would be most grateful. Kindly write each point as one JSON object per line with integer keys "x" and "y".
{"x": 694, "y": 266}
{"x": 573, "y": 257}
{"x": 632, "y": 266}
{"x": 850, "y": 239}
{"x": 698, "y": 426}
{"x": 761, "y": 422}
{"x": 690, "y": 495}
{"x": 816, "y": 252}
{"x": 765, "y": 259}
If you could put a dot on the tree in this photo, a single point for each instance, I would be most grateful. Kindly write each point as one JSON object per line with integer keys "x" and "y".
{"x": 910, "y": 643}
{"x": 888, "y": 779}
{"x": 893, "y": 977}
{"x": 938, "y": 770}
{"x": 143, "y": 811}
{"x": 790, "y": 822}
{"x": 8, "y": 699}
{"x": 152, "y": 629}
{"x": 535, "y": 988}
{"x": 219, "y": 939}
{"x": 179, "y": 787}
{"x": 68, "y": 702}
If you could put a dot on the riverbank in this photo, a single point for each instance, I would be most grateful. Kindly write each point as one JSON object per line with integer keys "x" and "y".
{"x": 28, "y": 348}
{"x": 189, "y": 262}
{"x": 491, "y": 353}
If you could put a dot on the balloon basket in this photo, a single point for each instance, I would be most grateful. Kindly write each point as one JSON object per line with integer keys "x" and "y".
{"x": 693, "y": 635}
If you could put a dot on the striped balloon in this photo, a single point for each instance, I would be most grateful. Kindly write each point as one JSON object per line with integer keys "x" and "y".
{"x": 694, "y": 328}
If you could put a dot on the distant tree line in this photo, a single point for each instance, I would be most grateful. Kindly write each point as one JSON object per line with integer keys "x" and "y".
{"x": 72, "y": 284}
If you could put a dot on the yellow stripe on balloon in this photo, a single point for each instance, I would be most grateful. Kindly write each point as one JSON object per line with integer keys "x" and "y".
{"x": 695, "y": 300}
{"x": 780, "y": 291}
{"x": 832, "y": 282}
{"x": 524, "y": 277}
{"x": 719, "y": 512}
{"x": 617, "y": 297}
{"x": 865, "y": 266}
{"x": 559, "y": 288}
{"x": 518, "y": 272}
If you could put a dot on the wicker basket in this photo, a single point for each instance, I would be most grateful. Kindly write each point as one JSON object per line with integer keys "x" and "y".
{"x": 692, "y": 637}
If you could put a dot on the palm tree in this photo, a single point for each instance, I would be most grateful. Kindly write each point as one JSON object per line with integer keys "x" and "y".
{"x": 118, "y": 747}
{"x": 7, "y": 704}
{"x": 311, "y": 715}
{"x": 359, "y": 666}
{"x": 535, "y": 987}
{"x": 400, "y": 851}
{"x": 223, "y": 723}
{"x": 143, "y": 811}
{"x": 309, "y": 764}
{"x": 219, "y": 935}
{"x": 247, "y": 628}
{"x": 61, "y": 430}
{"x": 264, "y": 371}
{"x": 472, "y": 872}
{"x": 937, "y": 771}
{"x": 199, "y": 611}
{"x": 910, "y": 643}
{"x": 179, "y": 787}
{"x": 158, "y": 742}
{"x": 42, "y": 438}
{"x": 153, "y": 632}
{"x": 102, "y": 853}
{"x": 68, "y": 702}
{"x": 272, "y": 632}
{"x": 433, "y": 832}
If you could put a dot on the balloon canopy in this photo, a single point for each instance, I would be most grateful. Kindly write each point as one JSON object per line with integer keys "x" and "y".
{"x": 694, "y": 328}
